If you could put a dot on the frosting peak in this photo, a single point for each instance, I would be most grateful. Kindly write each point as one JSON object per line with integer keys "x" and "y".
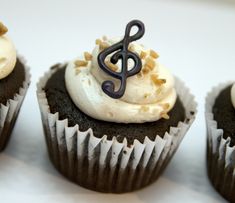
{"x": 7, "y": 53}
{"x": 233, "y": 95}
{"x": 148, "y": 97}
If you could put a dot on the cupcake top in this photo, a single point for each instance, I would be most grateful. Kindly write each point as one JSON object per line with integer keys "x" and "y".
{"x": 7, "y": 53}
{"x": 233, "y": 95}
{"x": 148, "y": 96}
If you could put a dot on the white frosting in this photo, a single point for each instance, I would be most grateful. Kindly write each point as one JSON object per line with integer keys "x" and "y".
{"x": 7, "y": 56}
{"x": 233, "y": 95}
{"x": 143, "y": 100}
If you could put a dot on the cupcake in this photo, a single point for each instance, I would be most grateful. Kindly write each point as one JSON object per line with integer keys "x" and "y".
{"x": 114, "y": 117}
{"x": 14, "y": 82}
{"x": 220, "y": 121}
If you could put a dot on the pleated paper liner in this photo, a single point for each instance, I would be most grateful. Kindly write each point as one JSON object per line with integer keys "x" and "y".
{"x": 220, "y": 155}
{"x": 108, "y": 165}
{"x": 10, "y": 111}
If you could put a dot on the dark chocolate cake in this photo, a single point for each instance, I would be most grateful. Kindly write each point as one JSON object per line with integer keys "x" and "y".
{"x": 224, "y": 114}
{"x": 10, "y": 85}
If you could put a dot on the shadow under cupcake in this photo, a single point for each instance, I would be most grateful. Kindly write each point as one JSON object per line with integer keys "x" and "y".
{"x": 107, "y": 139}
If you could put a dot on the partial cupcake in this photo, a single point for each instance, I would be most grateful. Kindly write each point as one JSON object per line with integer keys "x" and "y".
{"x": 113, "y": 118}
{"x": 220, "y": 120}
{"x": 14, "y": 82}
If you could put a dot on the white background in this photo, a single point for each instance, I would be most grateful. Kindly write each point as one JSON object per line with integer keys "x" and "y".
{"x": 195, "y": 40}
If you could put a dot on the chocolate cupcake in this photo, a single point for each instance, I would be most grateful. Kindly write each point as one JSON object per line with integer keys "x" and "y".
{"x": 14, "y": 82}
{"x": 220, "y": 120}
{"x": 114, "y": 118}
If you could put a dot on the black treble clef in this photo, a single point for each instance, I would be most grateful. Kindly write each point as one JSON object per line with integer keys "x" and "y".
{"x": 122, "y": 52}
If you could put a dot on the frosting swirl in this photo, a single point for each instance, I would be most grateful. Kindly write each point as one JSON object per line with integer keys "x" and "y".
{"x": 148, "y": 97}
{"x": 7, "y": 56}
{"x": 233, "y": 95}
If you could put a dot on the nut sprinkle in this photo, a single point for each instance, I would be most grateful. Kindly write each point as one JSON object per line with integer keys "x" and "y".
{"x": 3, "y": 29}
{"x": 156, "y": 80}
{"x": 80, "y": 63}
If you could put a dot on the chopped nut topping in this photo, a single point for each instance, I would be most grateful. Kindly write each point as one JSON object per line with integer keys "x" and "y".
{"x": 159, "y": 90}
{"x": 87, "y": 56}
{"x": 131, "y": 48}
{"x": 103, "y": 45}
{"x": 144, "y": 108}
{"x": 143, "y": 54}
{"x": 98, "y": 41}
{"x": 161, "y": 81}
{"x": 3, "y": 29}
{"x": 154, "y": 54}
{"x": 80, "y": 63}
{"x": 156, "y": 80}
{"x": 165, "y": 106}
{"x": 112, "y": 66}
{"x": 146, "y": 95}
{"x": 165, "y": 115}
{"x": 150, "y": 63}
{"x": 145, "y": 70}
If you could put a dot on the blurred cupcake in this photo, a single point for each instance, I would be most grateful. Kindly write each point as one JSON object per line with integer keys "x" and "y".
{"x": 14, "y": 82}
{"x": 220, "y": 120}
{"x": 113, "y": 118}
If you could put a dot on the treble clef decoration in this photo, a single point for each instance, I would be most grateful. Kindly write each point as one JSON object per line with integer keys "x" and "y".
{"x": 122, "y": 53}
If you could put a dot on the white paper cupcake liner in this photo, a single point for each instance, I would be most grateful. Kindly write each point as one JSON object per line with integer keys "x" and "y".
{"x": 10, "y": 110}
{"x": 108, "y": 165}
{"x": 220, "y": 155}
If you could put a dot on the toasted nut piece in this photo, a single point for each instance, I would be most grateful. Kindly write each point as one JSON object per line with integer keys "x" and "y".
{"x": 150, "y": 63}
{"x": 146, "y": 95}
{"x": 112, "y": 66}
{"x": 98, "y": 41}
{"x": 143, "y": 54}
{"x": 161, "y": 81}
{"x": 156, "y": 80}
{"x": 3, "y": 29}
{"x": 154, "y": 54}
{"x": 146, "y": 69}
{"x": 87, "y": 56}
{"x": 165, "y": 106}
{"x": 165, "y": 115}
{"x": 80, "y": 63}
{"x": 159, "y": 90}
{"x": 103, "y": 45}
{"x": 144, "y": 108}
{"x": 131, "y": 48}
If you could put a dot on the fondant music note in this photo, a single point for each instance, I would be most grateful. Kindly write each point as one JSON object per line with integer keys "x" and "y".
{"x": 122, "y": 53}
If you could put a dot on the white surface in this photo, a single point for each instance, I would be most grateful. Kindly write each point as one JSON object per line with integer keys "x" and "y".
{"x": 195, "y": 40}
